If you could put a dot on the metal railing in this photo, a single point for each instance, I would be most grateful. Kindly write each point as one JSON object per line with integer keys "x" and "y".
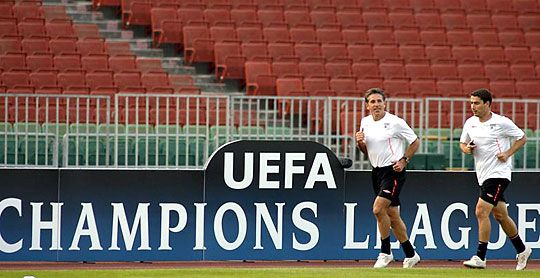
{"x": 182, "y": 131}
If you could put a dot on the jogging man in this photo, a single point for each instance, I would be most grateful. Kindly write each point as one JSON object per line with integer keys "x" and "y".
{"x": 381, "y": 138}
{"x": 488, "y": 137}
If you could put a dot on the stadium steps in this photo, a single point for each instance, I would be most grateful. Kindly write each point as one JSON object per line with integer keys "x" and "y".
{"x": 110, "y": 28}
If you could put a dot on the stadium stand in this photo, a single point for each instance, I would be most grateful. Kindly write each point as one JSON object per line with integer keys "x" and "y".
{"x": 68, "y": 65}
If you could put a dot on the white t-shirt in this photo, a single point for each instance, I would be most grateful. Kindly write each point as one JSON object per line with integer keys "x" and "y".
{"x": 385, "y": 139}
{"x": 491, "y": 138}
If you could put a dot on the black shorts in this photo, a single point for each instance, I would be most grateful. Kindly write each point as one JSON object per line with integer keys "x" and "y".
{"x": 387, "y": 183}
{"x": 492, "y": 190}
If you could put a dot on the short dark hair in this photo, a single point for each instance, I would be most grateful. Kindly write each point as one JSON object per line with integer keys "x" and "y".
{"x": 484, "y": 94}
{"x": 374, "y": 91}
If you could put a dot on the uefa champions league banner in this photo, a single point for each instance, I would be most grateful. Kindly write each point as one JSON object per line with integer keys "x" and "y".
{"x": 271, "y": 200}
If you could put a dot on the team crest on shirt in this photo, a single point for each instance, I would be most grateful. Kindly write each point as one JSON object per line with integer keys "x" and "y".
{"x": 386, "y": 125}
{"x": 492, "y": 126}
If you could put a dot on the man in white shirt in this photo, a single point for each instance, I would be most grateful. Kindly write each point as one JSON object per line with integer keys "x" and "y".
{"x": 382, "y": 137}
{"x": 488, "y": 137}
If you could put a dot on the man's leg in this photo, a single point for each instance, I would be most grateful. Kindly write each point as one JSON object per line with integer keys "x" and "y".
{"x": 380, "y": 210}
{"x": 483, "y": 209}
{"x": 400, "y": 231}
{"x": 500, "y": 212}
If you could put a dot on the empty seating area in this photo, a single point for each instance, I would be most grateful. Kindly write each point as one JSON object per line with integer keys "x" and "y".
{"x": 95, "y": 101}
{"x": 419, "y": 43}
{"x": 43, "y": 52}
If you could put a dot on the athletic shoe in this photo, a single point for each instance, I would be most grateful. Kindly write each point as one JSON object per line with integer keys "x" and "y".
{"x": 410, "y": 262}
{"x": 522, "y": 258}
{"x": 475, "y": 262}
{"x": 383, "y": 260}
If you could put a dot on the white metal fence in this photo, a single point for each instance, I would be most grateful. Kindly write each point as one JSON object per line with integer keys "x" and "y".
{"x": 180, "y": 131}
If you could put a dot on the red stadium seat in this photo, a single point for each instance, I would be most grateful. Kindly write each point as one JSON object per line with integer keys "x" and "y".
{"x": 100, "y": 80}
{"x": 454, "y": 18}
{"x": 197, "y": 44}
{"x": 438, "y": 52}
{"x": 398, "y": 87}
{"x": 16, "y": 78}
{"x": 254, "y": 50}
{"x": 504, "y": 88}
{"x": 259, "y": 78}
{"x": 471, "y": 69}
{"x": 418, "y": 69}
{"x": 84, "y": 30}
{"x": 497, "y": 70}
{"x": 375, "y": 17}
{"x": 280, "y": 50}
{"x": 329, "y": 34}
{"x": 303, "y": 33}
{"x": 285, "y": 68}
{"x": 12, "y": 60}
{"x": 8, "y": 27}
{"x": 491, "y": 53}
{"x": 297, "y": 17}
{"x": 381, "y": 34}
{"x": 523, "y": 70}
{"x": 269, "y": 17}
{"x": 392, "y": 68}
{"x": 324, "y": 17}
{"x": 366, "y": 68}
{"x": 11, "y": 44}
{"x": 158, "y": 16}
{"x": 338, "y": 68}
{"x": 67, "y": 61}
{"x": 386, "y": 52}
{"x": 305, "y": 51}
{"x": 312, "y": 67}
{"x": 63, "y": 45}
{"x": 428, "y": 18}
{"x": 136, "y": 12}
{"x": 412, "y": 51}
{"x": 89, "y": 46}
{"x": 459, "y": 36}
{"x": 331, "y": 51}
{"x": 39, "y": 61}
{"x": 450, "y": 87}
{"x": 287, "y": 87}
{"x": 59, "y": 28}
{"x": 35, "y": 44}
{"x": 276, "y": 34}
{"x": 358, "y": 52}
{"x": 363, "y": 84}
{"x": 343, "y": 86}
{"x": 407, "y": 35}
{"x": 349, "y": 17}
{"x": 229, "y": 61}
{"x": 122, "y": 63}
{"x": 463, "y": 53}
{"x": 479, "y": 19}
{"x": 399, "y": 17}
{"x": 31, "y": 28}
{"x": 443, "y": 69}
{"x": 126, "y": 80}
{"x": 509, "y": 37}
{"x": 71, "y": 79}
{"x": 433, "y": 35}
{"x": 46, "y": 78}
{"x": 516, "y": 54}
{"x": 485, "y": 36}
{"x": 243, "y": 15}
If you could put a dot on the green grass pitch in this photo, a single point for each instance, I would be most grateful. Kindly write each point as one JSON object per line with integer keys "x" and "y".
{"x": 273, "y": 273}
